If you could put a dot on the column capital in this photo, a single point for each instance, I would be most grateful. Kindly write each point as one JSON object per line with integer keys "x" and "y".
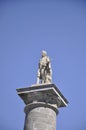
{"x": 35, "y": 104}
{"x": 44, "y": 93}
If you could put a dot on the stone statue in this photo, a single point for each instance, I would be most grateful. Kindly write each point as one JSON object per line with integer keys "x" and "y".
{"x": 44, "y": 69}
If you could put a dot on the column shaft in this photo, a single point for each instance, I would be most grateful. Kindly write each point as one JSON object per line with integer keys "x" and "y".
{"x": 40, "y": 118}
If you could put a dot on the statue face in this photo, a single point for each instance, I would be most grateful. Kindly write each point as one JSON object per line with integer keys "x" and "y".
{"x": 44, "y": 53}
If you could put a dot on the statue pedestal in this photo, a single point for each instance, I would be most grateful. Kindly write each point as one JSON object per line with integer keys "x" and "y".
{"x": 42, "y": 103}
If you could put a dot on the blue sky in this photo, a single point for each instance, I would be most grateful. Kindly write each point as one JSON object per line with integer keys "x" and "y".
{"x": 27, "y": 28}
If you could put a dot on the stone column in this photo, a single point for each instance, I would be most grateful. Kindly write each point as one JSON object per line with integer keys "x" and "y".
{"x": 40, "y": 118}
{"x": 42, "y": 103}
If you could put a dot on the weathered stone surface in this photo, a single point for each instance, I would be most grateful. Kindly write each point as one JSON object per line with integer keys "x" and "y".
{"x": 40, "y": 119}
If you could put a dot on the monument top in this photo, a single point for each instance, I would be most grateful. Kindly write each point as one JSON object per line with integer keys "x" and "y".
{"x": 44, "y": 91}
{"x": 42, "y": 100}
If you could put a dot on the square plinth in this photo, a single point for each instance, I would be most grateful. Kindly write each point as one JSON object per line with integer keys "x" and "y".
{"x": 47, "y": 93}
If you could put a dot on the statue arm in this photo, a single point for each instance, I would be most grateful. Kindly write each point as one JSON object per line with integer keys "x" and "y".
{"x": 49, "y": 62}
{"x": 50, "y": 68}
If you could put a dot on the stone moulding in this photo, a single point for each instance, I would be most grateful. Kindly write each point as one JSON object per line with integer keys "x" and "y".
{"x": 40, "y": 104}
{"x": 44, "y": 93}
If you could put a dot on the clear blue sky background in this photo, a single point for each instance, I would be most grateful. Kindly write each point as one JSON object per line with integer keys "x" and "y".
{"x": 27, "y": 28}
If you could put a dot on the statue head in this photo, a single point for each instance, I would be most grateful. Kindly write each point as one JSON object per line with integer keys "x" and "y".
{"x": 44, "y": 53}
